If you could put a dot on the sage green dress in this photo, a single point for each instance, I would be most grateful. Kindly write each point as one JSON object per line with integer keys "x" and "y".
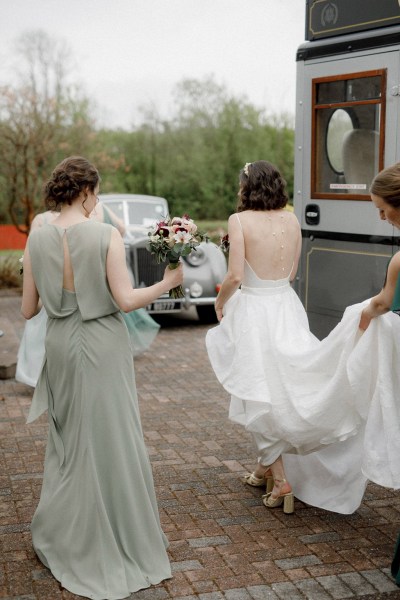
{"x": 96, "y": 526}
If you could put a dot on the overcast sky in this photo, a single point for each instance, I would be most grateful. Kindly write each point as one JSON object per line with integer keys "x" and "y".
{"x": 132, "y": 52}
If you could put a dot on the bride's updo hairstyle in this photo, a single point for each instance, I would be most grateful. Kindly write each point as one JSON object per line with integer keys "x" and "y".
{"x": 71, "y": 177}
{"x": 262, "y": 187}
{"x": 386, "y": 185}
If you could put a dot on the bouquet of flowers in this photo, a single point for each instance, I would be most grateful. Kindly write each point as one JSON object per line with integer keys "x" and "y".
{"x": 172, "y": 238}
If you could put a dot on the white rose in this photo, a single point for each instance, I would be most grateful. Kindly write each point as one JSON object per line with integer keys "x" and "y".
{"x": 182, "y": 237}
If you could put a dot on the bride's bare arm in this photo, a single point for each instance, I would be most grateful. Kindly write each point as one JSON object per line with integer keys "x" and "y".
{"x": 297, "y": 254}
{"x": 234, "y": 276}
{"x": 125, "y": 296}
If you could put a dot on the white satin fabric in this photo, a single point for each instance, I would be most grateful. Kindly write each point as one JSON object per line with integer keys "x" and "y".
{"x": 331, "y": 407}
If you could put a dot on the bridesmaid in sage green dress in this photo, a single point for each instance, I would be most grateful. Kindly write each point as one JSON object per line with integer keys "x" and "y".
{"x": 141, "y": 327}
{"x": 96, "y": 526}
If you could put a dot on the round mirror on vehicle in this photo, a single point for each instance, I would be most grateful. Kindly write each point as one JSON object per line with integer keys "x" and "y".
{"x": 339, "y": 124}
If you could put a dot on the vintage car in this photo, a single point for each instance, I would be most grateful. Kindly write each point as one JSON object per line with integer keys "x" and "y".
{"x": 204, "y": 269}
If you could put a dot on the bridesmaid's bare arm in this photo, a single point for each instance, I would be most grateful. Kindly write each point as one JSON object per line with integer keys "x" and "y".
{"x": 30, "y": 296}
{"x": 125, "y": 296}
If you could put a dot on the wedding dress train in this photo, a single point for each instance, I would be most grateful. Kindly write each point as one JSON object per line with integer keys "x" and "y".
{"x": 330, "y": 407}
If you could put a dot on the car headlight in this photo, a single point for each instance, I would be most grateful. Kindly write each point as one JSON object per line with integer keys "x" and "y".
{"x": 196, "y": 257}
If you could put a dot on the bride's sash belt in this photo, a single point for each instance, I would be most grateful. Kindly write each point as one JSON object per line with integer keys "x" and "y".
{"x": 269, "y": 290}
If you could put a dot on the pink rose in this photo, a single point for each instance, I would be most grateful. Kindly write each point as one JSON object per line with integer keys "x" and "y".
{"x": 189, "y": 225}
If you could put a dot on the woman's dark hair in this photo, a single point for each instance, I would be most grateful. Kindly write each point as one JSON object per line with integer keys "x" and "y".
{"x": 262, "y": 187}
{"x": 386, "y": 185}
{"x": 72, "y": 176}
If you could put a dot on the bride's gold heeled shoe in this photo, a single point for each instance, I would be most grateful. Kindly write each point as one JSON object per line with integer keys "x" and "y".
{"x": 254, "y": 481}
{"x": 286, "y": 499}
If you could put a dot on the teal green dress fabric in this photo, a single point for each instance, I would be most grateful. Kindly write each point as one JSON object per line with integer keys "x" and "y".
{"x": 142, "y": 330}
{"x": 141, "y": 327}
{"x": 396, "y": 298}
{"x": 395, "y": 567}
{"x": 96, "y": 526}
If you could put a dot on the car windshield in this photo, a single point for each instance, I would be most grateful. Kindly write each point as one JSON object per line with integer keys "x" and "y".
{"x": 145, "y": 213}
{"x": 117, "y": 208}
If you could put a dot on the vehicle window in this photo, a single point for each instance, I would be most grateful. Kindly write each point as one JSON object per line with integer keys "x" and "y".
{"x": 145, "y": 213}
{"x": 348, "y": 134}
{"x": 339, "y": 125}
{"x": 117, "y": 208}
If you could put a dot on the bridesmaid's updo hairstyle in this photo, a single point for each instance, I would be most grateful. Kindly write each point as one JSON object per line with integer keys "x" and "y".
{"x": 386, "y": 185}
{"x": 262, "y": 187}
{"x": 71, "y": 177}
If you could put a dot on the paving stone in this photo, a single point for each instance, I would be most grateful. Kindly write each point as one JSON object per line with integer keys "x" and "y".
{"x": 41, "y": 574}
{"x": 237, "y": 594}
{"x": 14, "y": 527}
{"x": 186, "y": 565}
{"x": 287, "y": 591}
{"x": 236, "y": 520}
{"x": 149, "y": 594}
{"x": 18, "y": 597}
{"x": 383, "y": 596}
{"x": 301, "y": 561}
{"x": 262, "y": 592}
{"x": 335, "y": 587}
{"x": 319, "y": 537}
{"x": 358, "y": 584}
{"x": 209, "y": 541}
{"x": 380, "y": 581}
{"x": 312, "y": 590}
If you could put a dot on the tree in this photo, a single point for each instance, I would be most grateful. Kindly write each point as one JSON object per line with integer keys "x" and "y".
{"x": 212, "y": 135}
{"x": 193, "y": 159}
{"x": 43, "y": 118}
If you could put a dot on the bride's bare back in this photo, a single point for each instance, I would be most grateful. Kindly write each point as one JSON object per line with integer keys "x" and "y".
{"x": 272, "y": 242}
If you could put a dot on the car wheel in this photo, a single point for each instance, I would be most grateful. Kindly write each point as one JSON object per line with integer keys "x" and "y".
{"x": 206, "y": 313}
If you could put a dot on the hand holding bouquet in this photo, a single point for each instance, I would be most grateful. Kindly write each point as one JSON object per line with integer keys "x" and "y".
{"x": 172, "y": 238}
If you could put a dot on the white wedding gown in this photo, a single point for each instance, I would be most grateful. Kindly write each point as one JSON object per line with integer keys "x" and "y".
{"x": 330, "y": 407}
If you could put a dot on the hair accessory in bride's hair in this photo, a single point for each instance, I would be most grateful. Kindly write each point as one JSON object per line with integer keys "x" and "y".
{"x": 246, "y": 168}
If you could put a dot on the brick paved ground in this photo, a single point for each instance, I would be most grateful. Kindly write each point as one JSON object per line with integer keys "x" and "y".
{"x": 224, "y": 543}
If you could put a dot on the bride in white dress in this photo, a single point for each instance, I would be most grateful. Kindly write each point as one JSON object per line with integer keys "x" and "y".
{"x": 322, "y": 422}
